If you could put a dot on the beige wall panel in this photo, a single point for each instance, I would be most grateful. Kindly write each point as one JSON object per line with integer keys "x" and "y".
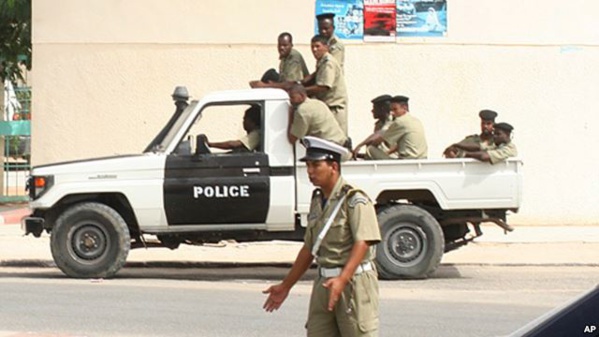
{"x": 173, "y": 21}
{"x": 95, "y": 100}
{"x": 242, "y": 21}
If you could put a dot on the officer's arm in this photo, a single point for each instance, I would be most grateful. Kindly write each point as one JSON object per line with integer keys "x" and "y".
{"x": 278, "y": 293}
{"x": 308, "y": 80}
{"x": 290, "y": 136}
{"x": 303, "y": 261}
{"x": 316, "y": 89}
{"x": 358, "y": 251}
{"x": 467, "y": 146}
{"x": 480, "y": 155}
{"x": 228, "y": 145}
{"x": 337, "y": 284}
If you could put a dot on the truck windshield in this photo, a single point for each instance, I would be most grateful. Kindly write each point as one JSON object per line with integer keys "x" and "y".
{"x": 168, "y": 132}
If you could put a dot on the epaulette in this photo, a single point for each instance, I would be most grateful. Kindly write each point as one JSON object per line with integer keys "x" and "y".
{"x": 355, "y": 196}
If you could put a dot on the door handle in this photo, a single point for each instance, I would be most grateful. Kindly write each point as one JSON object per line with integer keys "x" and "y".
{"x": 251, "y": 171}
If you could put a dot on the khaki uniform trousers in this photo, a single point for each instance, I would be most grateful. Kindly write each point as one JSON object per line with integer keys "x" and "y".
{"x": 379, "y": 152}
{"x": 356, "y": 313}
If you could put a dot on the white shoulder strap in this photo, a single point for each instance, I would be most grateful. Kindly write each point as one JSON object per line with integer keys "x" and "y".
{"x": 326, "y": 227}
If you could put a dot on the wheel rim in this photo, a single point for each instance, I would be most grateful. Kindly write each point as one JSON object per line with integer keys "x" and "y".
{"x": 406, "y": 244}
{"x": 88, "y": 241}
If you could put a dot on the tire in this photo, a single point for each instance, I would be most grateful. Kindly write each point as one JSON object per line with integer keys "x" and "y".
{"x": 90, "y": 240}
{"x": 412, "y": 243}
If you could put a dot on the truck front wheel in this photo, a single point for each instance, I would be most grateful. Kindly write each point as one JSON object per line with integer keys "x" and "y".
{"x": 412, "y": 243}
{"x": 90, "y": 240}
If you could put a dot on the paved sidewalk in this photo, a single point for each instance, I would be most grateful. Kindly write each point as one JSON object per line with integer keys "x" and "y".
{"x": 12, "y": 213}
{"x": 527, "y": 245}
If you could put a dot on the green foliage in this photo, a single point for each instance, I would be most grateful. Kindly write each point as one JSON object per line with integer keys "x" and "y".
{"x": 15, "y": 38}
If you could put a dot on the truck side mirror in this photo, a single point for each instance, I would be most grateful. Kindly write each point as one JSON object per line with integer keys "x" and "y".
{"x": 202, "y": 144}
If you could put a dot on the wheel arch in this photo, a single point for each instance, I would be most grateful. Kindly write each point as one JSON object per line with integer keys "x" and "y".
{"x": 415, "y": 196}
{"x": 115, "y": 200}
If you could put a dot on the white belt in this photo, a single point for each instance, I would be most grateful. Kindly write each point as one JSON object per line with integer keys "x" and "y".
{"x": 335, "y": 272}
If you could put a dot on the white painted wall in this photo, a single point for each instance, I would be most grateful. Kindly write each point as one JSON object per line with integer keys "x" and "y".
{"x": 103, "y": 72}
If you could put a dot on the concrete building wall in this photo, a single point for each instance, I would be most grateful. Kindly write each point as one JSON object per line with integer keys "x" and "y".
{"x": 103, "y": 72}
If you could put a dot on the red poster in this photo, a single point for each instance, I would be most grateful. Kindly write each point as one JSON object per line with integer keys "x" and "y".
{"x": 379, "y": 20}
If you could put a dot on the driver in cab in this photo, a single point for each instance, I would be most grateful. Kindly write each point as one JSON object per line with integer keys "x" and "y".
{"x": 248, "y": 143}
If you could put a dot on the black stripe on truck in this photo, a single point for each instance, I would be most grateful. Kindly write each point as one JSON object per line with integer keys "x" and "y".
{"x": 218, "y": 188}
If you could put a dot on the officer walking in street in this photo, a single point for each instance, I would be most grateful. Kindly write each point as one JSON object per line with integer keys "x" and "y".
{"x": 342, "y": 229}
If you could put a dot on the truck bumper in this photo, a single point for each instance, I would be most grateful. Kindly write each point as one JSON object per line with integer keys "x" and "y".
{"x": 33, "y": 225}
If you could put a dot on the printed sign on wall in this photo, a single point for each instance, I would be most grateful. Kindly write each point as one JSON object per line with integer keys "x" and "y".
{"x": 379, "y": 20}
{"x": 385, "y": 20}
{"x": 349, "y": 17}
{"x": 426, "y": 18}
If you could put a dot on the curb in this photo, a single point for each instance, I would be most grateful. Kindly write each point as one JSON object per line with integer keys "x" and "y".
{"x": 31, "y": 263}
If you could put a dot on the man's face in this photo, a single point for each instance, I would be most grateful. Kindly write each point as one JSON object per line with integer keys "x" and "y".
{"x": 320, "y": 171}
{"x": 486, "y": 127}
{"x": 296, "y": 98}
{"x": 319, "y": 49}
{"x": 378, "y": 111}
{"x": 248, "y": 125}
{"x": 500, "y": 137}
{"x": 398, "y": 109}
{"x": 326, "y": 28}
{"x": 284, "y": 46}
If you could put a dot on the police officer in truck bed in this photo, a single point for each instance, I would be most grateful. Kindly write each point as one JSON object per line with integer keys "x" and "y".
{"x": 342, "y": 228}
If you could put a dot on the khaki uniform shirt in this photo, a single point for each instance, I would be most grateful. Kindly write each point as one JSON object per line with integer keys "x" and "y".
{"x": 383, "y": 125}
{"x": 313, "y": 118}
{"x": 484, "y": 144}
{"x": 293, "y": 67}
{"x": 337, "y": 49}
{"x": 251, "y": 140}
{"x": 355, "y": 221}
{"x": 329, "y": 74}
{"x": 502, "y": 152}
{"x": 408, "y": 134}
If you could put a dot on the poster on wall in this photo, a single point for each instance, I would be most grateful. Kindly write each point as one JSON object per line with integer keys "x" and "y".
{"x": 379, "y": 20}
{"x": 423, "y": 18}
{"x": 349, "y": 17}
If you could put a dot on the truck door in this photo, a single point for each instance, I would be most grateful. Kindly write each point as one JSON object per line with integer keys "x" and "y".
{"x": 223, "y": 188}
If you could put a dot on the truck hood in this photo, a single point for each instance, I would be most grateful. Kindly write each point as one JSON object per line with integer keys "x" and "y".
{"x": 95, "y": 167}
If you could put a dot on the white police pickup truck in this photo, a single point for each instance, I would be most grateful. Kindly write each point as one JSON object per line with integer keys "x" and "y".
{"x": 179, "y": 191}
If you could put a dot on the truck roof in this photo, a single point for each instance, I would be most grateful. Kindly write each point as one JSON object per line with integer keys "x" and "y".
{"x": 245, "y": 95}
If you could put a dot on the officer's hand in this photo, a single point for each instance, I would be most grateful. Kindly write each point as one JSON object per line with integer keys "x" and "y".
{"x": 256, "y": 84}
{"x": 277, "y": 295}
{"x": 450, "y": 152}
{"x": 335, "y": 286}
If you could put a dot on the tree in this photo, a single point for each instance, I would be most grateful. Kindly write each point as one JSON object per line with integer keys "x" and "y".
{"x": 15, "y": 38}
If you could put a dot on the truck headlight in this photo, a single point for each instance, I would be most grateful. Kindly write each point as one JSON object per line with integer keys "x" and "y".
{"x": 38, "y": 185}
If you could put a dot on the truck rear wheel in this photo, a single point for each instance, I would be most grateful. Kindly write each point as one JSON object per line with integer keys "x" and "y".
{"x": 90, "y": 240}
{"x": 412, "y": 243}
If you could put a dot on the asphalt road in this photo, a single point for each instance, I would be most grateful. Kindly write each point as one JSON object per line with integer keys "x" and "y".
{"x": 457, "y": 301}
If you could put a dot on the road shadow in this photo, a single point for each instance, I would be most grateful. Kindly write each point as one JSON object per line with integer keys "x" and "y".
{"x": 199, "y": 271}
